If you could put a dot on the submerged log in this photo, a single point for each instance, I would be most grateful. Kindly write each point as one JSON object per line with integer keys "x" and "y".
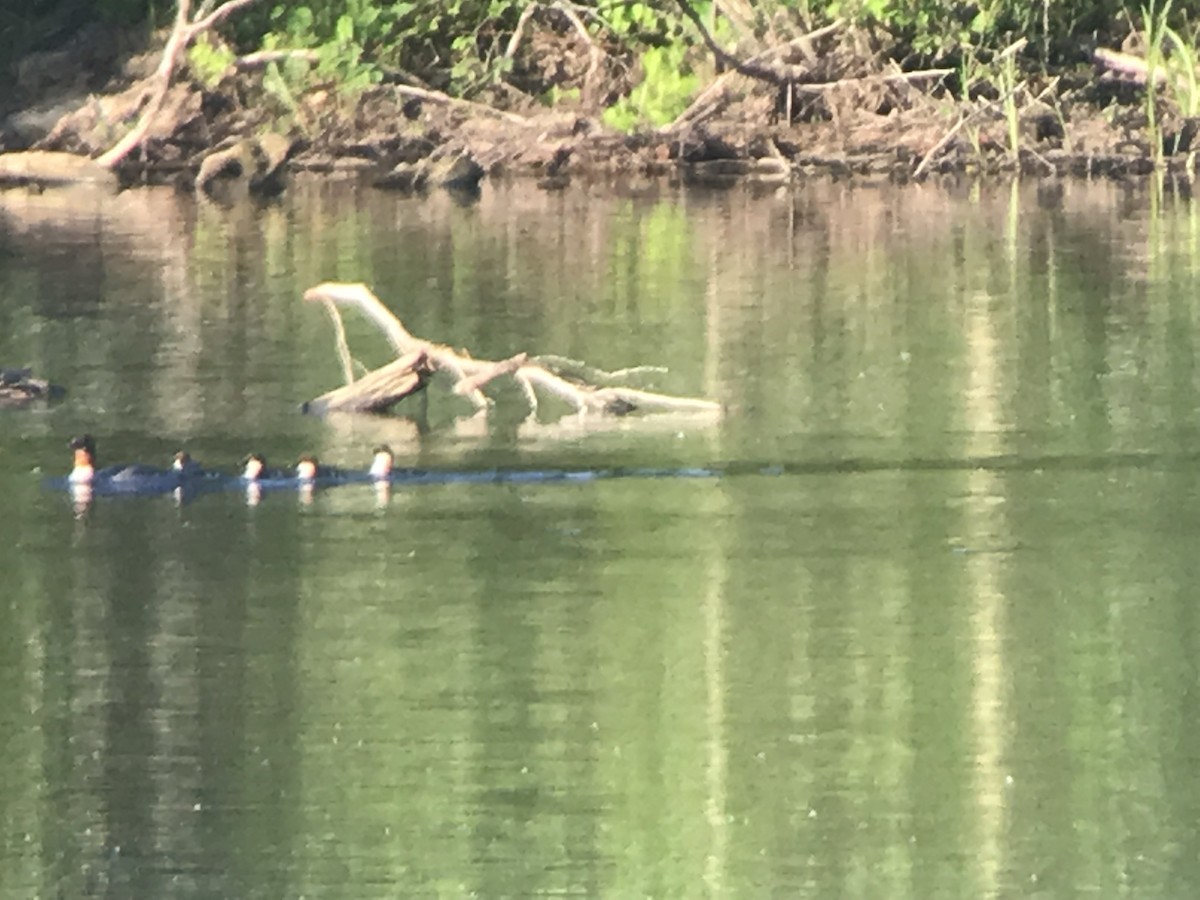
{"x": 471, "y": 375}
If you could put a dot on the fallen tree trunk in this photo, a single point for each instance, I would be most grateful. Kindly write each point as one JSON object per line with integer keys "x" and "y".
{"x": 471, "y": 375}
{"x": 377, "y": 391}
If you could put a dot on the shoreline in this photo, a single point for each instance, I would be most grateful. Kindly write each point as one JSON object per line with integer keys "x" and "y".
{"x": 885, "y": 125}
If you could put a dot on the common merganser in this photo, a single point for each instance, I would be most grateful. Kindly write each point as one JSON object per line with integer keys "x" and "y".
{"x": 183, "y": 464}
{"x": 127, "y": 476}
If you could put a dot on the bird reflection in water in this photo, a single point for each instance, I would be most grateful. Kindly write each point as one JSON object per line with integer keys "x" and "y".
{"x": 81, "y": 498}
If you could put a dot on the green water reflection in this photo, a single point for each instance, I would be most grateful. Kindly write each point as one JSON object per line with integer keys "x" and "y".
{"x": 931, "y": 634}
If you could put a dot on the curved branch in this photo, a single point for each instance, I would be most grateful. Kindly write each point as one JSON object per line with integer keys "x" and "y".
{"x": 471, "y": 374}
{"x": 750, "y": 69}
{"x": 183, "y": 33}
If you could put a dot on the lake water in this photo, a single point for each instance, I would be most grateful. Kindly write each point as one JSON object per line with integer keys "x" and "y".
{"x": 932, "y": 632}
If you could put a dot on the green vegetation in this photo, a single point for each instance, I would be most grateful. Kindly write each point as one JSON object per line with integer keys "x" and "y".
{"x": 656, "y": 56}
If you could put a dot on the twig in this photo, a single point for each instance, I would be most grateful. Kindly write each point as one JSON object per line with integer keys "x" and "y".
{"x": 343, "y": 347}
{"x": 692, "y": 113}
{"x": 445, "y": 99}
{"x": 263, "y": 58}
{"x": 750, "y": 68}
{"x": 495, "y": 370}
{"x": 958, "y": 126}
{"x": 518, "y": 32}
{"x": 920, "y": 75}
{"x": 595, "y": 54}
{"x": 221, "y": 12}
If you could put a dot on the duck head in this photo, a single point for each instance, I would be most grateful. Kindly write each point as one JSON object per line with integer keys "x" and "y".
{"x": 252, "y": 468}
{"x": 182, "y": 462}
{"x": 306, "y": 468}
{"x": 84, "y": 449}
{"x": 381, "y": 461}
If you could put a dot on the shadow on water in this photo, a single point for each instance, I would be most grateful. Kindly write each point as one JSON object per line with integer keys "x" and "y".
{"x": 168, "y": 702}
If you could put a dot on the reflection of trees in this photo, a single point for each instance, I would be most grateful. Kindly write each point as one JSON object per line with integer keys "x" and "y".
{"x": 893, "y": 680}
{"x": 160, "y": 708}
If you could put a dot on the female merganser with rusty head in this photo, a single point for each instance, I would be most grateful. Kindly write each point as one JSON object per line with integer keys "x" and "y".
{"x": 125, "y": 477}
{"x": 381, "y": 462}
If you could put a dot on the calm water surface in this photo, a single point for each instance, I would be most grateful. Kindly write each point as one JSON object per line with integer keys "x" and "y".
{"x": 933, "y": 631}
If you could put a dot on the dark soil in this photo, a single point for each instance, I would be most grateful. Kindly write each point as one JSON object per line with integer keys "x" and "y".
{"x": 838, "y": 110}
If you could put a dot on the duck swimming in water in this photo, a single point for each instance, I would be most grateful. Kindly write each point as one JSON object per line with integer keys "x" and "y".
{"x": 84, "y": 471}
{"x": 133, "y": 477}
{"x": 254, "y": 467}
{"x": 183, "y": 464}
{"x": 307, "y": 468}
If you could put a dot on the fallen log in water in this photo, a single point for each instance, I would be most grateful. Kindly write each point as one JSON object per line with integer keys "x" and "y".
{"x": 419, "y": 357}
{"x": 379, "y": 390}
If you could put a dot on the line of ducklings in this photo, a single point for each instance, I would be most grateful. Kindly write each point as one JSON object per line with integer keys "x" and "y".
{"x": 186, "y": 472}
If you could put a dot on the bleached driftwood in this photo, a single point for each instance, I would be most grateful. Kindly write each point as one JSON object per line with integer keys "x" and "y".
{"x": 379, "y": 390}
{"x": 470, "y": 374}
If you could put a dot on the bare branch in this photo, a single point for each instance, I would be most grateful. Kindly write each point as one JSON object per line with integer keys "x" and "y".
{"x": 511, "y": 50}
{"x": 262, "y": 58}
{"x": 471, "y": 374}
{"x": 182, "y": 33}
{"x": 446, "y": 100}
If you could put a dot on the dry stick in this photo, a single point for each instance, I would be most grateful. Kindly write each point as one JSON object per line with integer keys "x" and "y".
{"x": 447, "y": 100}
{"x": 182, "y": 34}
{"x": 949, "y": 135}
{"x": 263, "y": 58}
{"x": 749, "y": 69}
{"x": 343, "y": 346}
{"x": 515, "y": 41}
{"x": 919, "y": 75}
{"x": 697, "y": 106}
{"x": 585, "y": 399}
{"x": 595, "y": 54}
{"x": 495, "y": 370}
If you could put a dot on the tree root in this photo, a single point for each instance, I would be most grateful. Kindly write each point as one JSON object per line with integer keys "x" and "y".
{"x": 380, "y": 388}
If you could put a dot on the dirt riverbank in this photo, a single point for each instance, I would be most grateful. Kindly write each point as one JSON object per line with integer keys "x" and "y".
{"x": 829, "y": 107}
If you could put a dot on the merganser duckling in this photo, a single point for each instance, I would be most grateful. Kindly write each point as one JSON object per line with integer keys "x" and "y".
{"x": 381, "y": 462}
{"x": 254, "y": 467}
{"x": 84, "y": 471}
{"x": 307, "y": 468}
{"x": 183, "y": 464}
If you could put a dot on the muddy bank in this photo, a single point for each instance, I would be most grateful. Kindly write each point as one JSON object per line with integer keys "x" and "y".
{"x": 837, "y": 111}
